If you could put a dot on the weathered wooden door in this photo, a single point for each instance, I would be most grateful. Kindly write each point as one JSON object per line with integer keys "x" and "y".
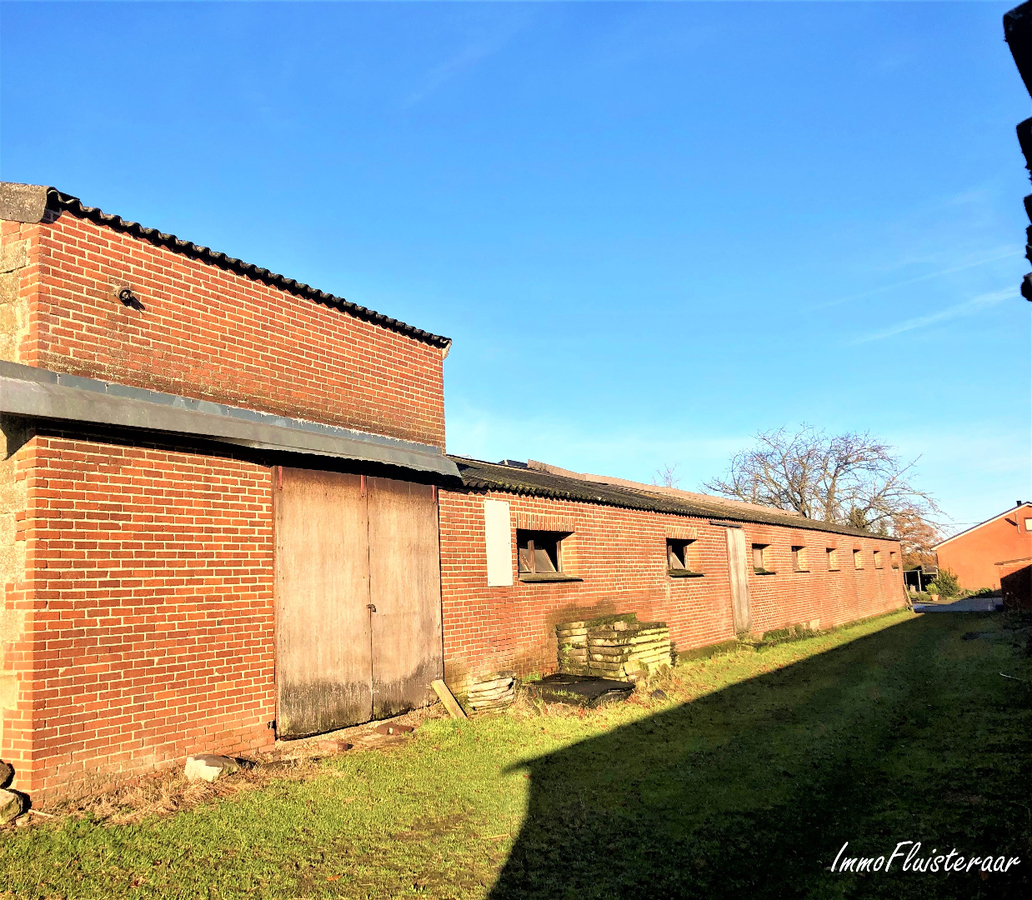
{"x": 405, "y": 587}
{"x": 737, "y": 562}
{"x": 358, "y": 599}
{"x": 323, "y": 657}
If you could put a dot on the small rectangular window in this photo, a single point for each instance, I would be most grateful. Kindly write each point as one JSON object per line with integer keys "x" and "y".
{"x": 681, "y": 561}
{"x": 760, "y": 559}
{"x": 893, "y": 559}
{"x": 858, "y": 559}
{"x": 832, "y": 559}
{"x": 799, "y": 559}
{"x": 541, "y": 555}
{"x": 878, "y": 559}
{"x": 1028, "y": 524}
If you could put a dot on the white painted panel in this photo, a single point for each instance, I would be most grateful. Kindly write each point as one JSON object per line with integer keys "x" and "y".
{"x": 498, "y": 538}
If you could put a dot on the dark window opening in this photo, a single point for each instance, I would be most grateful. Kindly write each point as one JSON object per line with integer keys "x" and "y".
{"x": 760, "y": 559}
{"x": 541, "y": 555}
{"x": 680, "y": 563}
{"x": 799, "y": 559}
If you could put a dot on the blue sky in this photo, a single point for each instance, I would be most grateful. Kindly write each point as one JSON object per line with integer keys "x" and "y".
{"x": 651, "y": 230}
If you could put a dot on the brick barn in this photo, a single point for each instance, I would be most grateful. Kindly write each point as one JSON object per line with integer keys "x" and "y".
{"x": 525, "y": 547}
{"x": 212, "y": 475}
{"x": 227, "y": 516}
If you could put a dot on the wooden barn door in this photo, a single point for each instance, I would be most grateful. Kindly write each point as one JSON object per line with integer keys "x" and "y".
{"x": 323, "y": 658}
{"x": 358, "y": 599}
{"x": 737, "y": 561}
{"x": 405, "y": 587}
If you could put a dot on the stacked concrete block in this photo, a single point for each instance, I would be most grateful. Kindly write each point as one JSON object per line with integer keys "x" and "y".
{"x": 493, "y": 691}
{"x": 617, "y": 647}
{"x": 573, "y": 647}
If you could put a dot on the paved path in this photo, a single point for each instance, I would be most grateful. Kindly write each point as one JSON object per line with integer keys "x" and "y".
{"x": 969, "y": 604}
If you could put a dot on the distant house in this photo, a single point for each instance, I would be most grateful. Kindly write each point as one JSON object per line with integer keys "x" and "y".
{"x": 976, "y": 555}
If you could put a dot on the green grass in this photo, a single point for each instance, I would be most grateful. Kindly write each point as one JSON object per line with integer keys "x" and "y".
{"x": 745, "y": 783}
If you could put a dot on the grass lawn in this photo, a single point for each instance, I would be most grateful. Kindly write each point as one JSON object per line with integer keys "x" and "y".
{"x": 745, "y": 783}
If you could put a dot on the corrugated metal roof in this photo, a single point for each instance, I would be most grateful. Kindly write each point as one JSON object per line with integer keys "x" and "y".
{"x": 480, "y": 476}
{"x": 58, "y": 201}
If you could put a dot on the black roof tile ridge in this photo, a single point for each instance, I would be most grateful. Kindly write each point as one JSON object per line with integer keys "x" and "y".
{"x": 58, "y": 200}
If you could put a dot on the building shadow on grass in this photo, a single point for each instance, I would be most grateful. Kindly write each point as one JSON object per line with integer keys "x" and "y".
{"x": 908, "y": 734}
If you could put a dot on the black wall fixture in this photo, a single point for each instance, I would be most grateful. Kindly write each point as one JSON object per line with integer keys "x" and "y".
{"x": 125, "y": 294}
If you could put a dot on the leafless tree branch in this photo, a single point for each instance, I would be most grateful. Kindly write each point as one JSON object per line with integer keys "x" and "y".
{"x": 666, "y": 476}
{"x": 850, "y": 478}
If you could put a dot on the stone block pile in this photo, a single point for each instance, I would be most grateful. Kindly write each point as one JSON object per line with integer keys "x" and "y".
{"x": 12, "y": 803}
{"x": 617, "y": 647}
{"x": 494, "y": 691}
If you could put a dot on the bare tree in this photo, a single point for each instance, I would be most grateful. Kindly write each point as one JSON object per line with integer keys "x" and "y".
{"x": 666, "y": 476}
{"x": 852, "y": 479}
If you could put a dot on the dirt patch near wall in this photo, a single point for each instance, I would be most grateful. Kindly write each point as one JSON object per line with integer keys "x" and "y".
{"x": 168, "y": 791}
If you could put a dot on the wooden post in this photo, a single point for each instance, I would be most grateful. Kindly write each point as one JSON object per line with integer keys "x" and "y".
{"x": 448, "y": 699}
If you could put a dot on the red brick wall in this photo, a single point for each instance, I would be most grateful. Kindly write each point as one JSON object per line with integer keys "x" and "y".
{"x": 211, "y": 334}
{"x": 621, "y": 555}
{"x": 972, "y": 557}
{"x": 150, "y": 629}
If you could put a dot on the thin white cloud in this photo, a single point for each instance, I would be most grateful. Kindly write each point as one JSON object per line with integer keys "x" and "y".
{"x": 1002, "y": 253}
{"x": 974, "y": 469}
{"x": 968, "y": 308}
{"x": 472, "y": 54}
{"x": 448, "y": 70}
{"x": 973, "y": 197}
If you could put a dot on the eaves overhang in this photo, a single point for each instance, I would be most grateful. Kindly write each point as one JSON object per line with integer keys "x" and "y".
{"x": 40, "y": 394}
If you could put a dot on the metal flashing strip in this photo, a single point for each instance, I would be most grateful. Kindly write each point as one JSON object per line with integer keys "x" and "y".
{"x": 41, "y": 394}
